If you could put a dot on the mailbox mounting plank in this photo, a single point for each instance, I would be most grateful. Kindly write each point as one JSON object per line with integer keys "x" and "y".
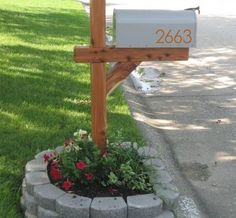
{"x": 98, "y": 55}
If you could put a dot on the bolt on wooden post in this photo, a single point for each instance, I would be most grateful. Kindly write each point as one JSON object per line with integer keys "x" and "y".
{"x": 172, "y": 45}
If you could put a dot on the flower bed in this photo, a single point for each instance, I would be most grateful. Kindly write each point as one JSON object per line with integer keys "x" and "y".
{"x": 84, "y": 169}
{"x": 77, "y": 180}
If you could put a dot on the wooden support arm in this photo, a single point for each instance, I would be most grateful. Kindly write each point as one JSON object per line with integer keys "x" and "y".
{"x": 119, "y": 73}
{"x": 110, "y": 54}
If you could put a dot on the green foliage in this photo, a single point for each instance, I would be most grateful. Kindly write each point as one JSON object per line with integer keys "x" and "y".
{"x": 119, "y": 167}
{"x": 125, "y": 168}
{"x": 112, "y": 180}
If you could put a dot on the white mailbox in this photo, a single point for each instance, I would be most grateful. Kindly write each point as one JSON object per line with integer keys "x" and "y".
{"x": 154, "y": 28}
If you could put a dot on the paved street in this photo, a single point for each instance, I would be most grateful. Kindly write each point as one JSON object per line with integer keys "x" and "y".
{"x": 192, "y": 119}
{"x": 213, "y": 8}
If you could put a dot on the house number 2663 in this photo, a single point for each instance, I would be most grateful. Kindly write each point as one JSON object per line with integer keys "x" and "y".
{"x": 181, "y": 36}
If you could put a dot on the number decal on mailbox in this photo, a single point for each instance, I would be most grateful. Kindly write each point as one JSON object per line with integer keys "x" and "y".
{"x": 188, "y": 34}
{"x": 161, "y": 37}
{"x": 181, "y": 36}
{"x": 178, "y": 38}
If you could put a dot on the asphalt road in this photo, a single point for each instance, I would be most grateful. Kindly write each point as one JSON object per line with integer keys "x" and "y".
{"x": 192, "y": 120}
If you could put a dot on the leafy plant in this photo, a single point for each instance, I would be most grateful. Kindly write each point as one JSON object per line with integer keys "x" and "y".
{"x": 82, "y": 164}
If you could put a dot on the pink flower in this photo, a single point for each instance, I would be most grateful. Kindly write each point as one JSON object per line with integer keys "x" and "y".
{"x": 80, "y": 165}
{"x": 112, "y": 190}
{"x": 68, "y": 142}
{"x": 89, "y": 176}
{"x": 67, "y": 185}
{"x": 47, "y": 157}
{"x": 104, "y": 153}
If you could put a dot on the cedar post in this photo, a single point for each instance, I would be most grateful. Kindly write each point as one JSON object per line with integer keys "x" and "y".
{"x": 98, "y": 75}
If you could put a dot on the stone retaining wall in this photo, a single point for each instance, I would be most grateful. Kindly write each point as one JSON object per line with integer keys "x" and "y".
{"x": 41, "y": 199}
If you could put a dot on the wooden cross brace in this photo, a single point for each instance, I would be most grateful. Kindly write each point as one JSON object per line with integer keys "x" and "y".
{"x": 127, "y": 60}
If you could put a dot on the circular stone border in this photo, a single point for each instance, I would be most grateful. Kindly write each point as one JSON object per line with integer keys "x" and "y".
{"x": 41, "y": 199}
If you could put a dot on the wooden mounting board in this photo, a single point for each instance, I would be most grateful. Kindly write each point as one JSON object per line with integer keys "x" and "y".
{"x": 110, "y": 54}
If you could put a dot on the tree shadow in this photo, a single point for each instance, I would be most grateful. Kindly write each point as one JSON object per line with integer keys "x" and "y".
{"x": 44, "y": 94}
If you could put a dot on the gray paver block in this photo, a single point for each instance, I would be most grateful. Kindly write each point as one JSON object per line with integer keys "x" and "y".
{"x": 46, "y": 195}
{"x": 36, "y": 165}
{"x": 35, "y": 178}
{"x": 135, "y": 145}
{"x": 130, "y": 144}
{"x": 126, "y": 144}
{"x": 23, "y": 187}
{"x": 73, "y": 206}
{"x": 155, "y": 162}
{"x": 43, "y": 213}
{"x": 169, "y": 197}
{"x": 59, "y": 149}
{"x": 29, "y": 215}
{"x": 147, "y": 152}
{"x": 22, "y": 203}
{"x": 167, "y": 186}
{"x": 42, "y": 153}
{"x": 163, "y": 177}
{"x": 166, "y": 214}
{"x": 109, "y": 207}
{"x": 30, "y": 204}
{"x": 171, "y": 187}
{"x": 144, "y": 206}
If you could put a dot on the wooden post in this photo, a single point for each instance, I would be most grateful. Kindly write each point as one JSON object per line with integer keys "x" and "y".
{"x": 98, "y": 75}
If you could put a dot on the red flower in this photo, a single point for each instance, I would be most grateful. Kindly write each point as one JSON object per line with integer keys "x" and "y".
{"x": 54, "y": 164}
{"x": 89, "y": 176}
{"x": 80, "y": 165}
{"x": 67, "y": 185}
{"x": 55, "y": 173}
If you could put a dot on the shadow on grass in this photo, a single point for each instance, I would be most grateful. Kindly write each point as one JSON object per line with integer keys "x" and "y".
{"x": 45, "y": 96}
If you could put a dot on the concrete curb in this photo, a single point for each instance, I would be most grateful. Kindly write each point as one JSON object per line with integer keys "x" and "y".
{"x": 41, "y": 199}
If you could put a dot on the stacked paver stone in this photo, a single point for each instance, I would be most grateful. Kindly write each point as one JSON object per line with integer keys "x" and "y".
{"x": 41, "y": 199}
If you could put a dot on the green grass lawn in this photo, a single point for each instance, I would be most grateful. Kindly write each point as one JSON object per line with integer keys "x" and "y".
{"x": 44, "y": 95}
